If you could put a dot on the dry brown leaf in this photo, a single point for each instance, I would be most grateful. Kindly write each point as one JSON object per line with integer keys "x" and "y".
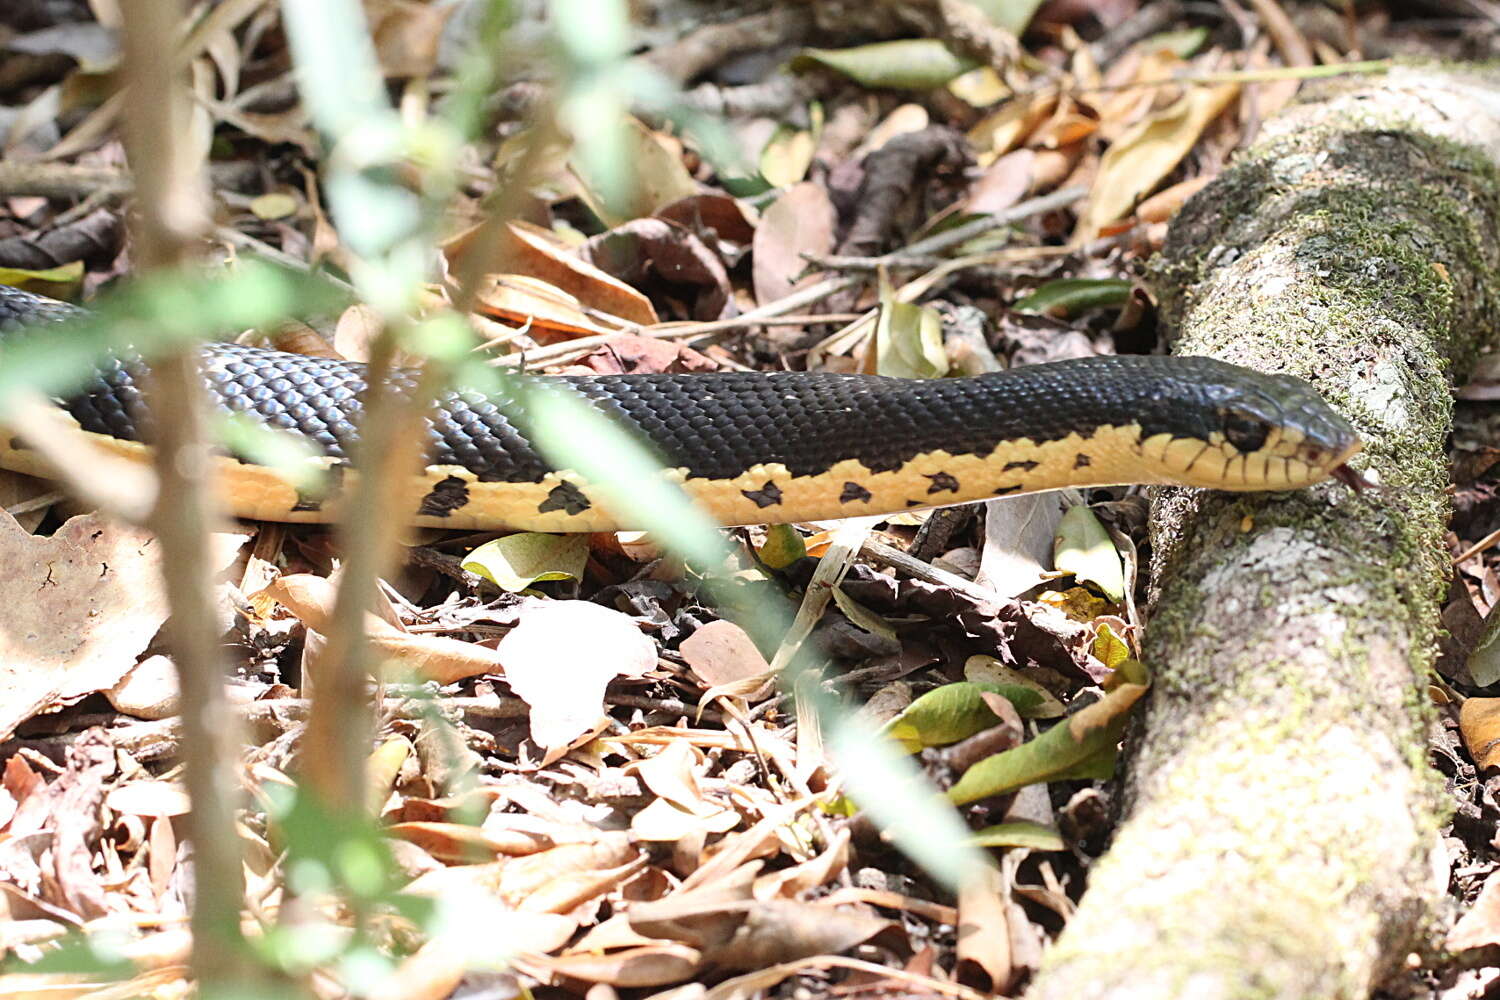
{"x": 996, "y": 134}
{"x": 310, "y": 598}
{"x": 148, "y": 691}
{"x": 533, "y": 251}
{"x": 782, "y": 930}
{"x": 713, "y": 217}
{"x": 1480, "y": 926}
{"x": 458, "y": 843}
{"x": 791, "y": 883}
{"x": 650, "y": 965}
{"x": 573, "y": 889}
{"x": 407, "y": 35}
{"x": 1164, "y": 204}
{"x": 801, "y": 221}
{"x": 560, "y": 659}
{"x": 513, "y": 879}
{"x": 984, "y": 930}
{"x": 722, "y": 653}
{"x": 1148, "y": 152}
{"x": 148, "y": 798}
{"x": 1479, "y": 723}
{"x": 549, "y": 309}
{"x": 80, "y": 606}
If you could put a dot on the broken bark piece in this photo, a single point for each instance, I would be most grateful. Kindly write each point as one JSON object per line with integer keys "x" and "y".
{"x": 1281, "y": 818}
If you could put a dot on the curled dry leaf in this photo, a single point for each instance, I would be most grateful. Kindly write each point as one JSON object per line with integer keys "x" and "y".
{"x": 82, "y": 605}
{"x": 547, "y": 308}
{"x": 560, "y": 659}
{"x": 531, "y": 250}
{"x": 984, "y": 930}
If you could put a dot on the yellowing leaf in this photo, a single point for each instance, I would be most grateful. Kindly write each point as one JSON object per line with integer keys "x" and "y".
{"x": 783, "y": 546}
{"x": 40, "y": 280}
{"x": 274, "y": 205}
{"x": 1147, "y": 152}
{"x": 1084, "y": 548}
{"x": 997, "y": 134}
{"x": 908, "y": 338}
{"x": 1109, "y": 649}
{"x": 515, "y": 562}
{"x": 788, "y": 154}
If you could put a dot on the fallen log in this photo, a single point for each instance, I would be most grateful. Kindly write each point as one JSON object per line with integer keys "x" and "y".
{"x": 1280, "y": 829}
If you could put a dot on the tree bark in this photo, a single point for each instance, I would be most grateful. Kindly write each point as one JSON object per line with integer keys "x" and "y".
{"x": 1281, "y": 824}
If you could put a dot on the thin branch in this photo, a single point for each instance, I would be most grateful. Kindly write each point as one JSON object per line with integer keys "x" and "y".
{"x": 170, "y": 219}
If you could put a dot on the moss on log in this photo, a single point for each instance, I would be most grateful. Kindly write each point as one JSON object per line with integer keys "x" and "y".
{"x": 1280, "y": 832}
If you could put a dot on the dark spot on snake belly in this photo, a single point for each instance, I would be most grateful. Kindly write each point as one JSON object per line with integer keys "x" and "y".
{"x": 914, "y": 503}
{"x": 565, "y": 497}
{"x": 446, "y": 497}
{"x": 1001, "y": 491}
{"x": 767, "y": 496}
{"x": 1082, "y": 461}
{"x": 853, "y": 492}
{"x": 16, "y": 444}
{"x": 942, "y": 481}
{"x": 324, "y": 487}
{"x": 1025, "y": 466}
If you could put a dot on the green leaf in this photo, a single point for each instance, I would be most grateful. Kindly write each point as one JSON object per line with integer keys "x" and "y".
{"x": 1083, "y": 745}
{"x": 1067, "y": 297}
{"x": 908, "y": 64}
{"x": 1083, "y": 548}
{"x": 955, "y": 712}
{"x": 515, "y": 562}
{"x": 908, "y": 338}
{"x": 1021, "y": 833}
{"x": 1052, "y": 756}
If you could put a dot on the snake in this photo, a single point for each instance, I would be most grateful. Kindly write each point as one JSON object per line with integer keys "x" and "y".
{"x": 748, "y": 447}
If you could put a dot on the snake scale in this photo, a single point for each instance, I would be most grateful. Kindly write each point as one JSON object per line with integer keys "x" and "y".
{"x": 754, "y": 447}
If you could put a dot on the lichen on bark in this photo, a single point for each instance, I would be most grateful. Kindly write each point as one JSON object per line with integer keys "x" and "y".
{"x": 1280, "y": 819}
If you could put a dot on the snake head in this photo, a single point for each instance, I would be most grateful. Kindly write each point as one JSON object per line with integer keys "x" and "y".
{"x": 1278, "y": 430}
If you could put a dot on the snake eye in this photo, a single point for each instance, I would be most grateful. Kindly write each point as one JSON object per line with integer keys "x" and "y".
{"x": 1245, "y": 433}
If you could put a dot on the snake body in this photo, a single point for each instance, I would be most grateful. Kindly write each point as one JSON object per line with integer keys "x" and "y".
{"x": 754, "y": 447}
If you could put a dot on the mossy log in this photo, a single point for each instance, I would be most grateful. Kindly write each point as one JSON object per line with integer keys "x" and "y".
{"x": 1280, "y": 836}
